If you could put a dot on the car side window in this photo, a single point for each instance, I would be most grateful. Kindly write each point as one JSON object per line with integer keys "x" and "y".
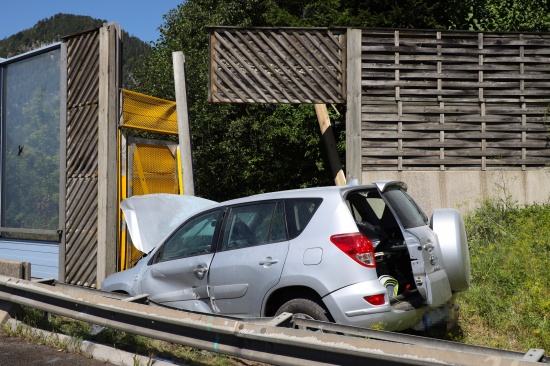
{"x": 278, "y": 225}
{"x": 369, "y": 208}
{"x": 299, "y": 212}
{"x": 254, "y": 224}
{"x": 192, "y": 238}
{"x": 366, "y": 206}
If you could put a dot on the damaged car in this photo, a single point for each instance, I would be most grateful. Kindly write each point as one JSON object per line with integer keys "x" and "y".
{"x": 361, "y": 255}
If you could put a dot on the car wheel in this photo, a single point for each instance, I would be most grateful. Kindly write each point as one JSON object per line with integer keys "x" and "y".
{"x": 449, "y": 227}
{"x": 304, "y": 309}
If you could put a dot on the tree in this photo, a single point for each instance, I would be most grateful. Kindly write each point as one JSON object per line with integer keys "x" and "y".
{"x": 506, "y": 16}
{"x": 419, "y": 14}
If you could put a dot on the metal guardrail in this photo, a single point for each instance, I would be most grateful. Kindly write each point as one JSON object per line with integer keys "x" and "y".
{"x": 261, "y": 340}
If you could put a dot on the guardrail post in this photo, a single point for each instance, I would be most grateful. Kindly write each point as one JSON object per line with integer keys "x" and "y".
{"x": 7, "y": 311}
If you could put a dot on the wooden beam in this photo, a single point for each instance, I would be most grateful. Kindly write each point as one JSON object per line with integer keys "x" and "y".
{"x": 107, "y": 202}
{"x": 184, "y": 131}
{"x": 327, "y": 135}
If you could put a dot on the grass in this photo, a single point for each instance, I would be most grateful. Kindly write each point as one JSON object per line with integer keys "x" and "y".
{"x": 506, "y": 307}
{"x": 52, "y": 339}
{"x": 509, "y": 299}
{"x": 508, "y": 303}
{"x": 135, "y": 344}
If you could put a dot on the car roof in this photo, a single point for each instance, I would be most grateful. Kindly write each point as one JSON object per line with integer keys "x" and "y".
{"x": 298, "y": 193}
{"x": 150, "y": 218}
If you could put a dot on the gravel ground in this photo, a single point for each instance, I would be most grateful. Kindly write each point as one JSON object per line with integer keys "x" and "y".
{"x": 18, "y": 352}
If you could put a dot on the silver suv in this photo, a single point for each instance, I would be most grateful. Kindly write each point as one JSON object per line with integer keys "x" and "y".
{"x": 359, "y": 255}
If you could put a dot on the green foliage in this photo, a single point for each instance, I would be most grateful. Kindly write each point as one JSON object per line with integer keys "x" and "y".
{"x": 420, "y": 14}
{"x": 505, "y": 16}
{"x": 509, "y": 297}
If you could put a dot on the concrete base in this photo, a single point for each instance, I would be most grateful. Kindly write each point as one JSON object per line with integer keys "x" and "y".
{"x": 464, "y": 190}
{"x": 15, "y": 269}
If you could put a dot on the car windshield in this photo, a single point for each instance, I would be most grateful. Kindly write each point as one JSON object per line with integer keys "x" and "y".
{"x": 405, "y": 208}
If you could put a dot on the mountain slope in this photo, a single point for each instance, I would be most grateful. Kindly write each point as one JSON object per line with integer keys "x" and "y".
{"x": 50, "y": 30}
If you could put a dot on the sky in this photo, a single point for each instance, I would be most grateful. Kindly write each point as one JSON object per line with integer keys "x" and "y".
{"x": 140, "y": 18}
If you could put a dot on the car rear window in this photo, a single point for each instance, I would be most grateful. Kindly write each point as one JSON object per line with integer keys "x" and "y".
{"x": 369, "y": 206}
{"x": 406, "y": 209}
{"x": 298, "y": 214}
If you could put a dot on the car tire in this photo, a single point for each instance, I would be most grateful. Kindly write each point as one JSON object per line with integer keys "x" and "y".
{"x": 305, "y": 309}
{"x": 449, "y": 227}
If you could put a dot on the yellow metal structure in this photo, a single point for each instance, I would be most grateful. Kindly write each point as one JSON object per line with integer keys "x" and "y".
{"x": 154, "y": 167}
{"x": 147, "y": 165}
{"x": 146, "y": 113}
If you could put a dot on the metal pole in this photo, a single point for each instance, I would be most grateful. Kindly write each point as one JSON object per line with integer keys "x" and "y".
{"x": 184, "y": 132}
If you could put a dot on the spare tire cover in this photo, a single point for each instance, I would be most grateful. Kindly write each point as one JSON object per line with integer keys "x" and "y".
{"x": 448, "y": 225}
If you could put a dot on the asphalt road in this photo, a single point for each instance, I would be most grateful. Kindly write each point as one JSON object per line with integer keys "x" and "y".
{"x": 19, "y": 352}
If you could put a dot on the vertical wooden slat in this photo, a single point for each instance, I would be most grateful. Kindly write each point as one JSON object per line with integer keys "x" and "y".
{"x": 91, "y": 155}
{"x": 353, "y": 106}
{"x": 522, "y": 100}
{"x": 109, "y": 36}
{"x": 399, "y": 107}
{"x": 441, "y": 103}
{"x": 482, "y": 106}
{"x": 184, "y": 130}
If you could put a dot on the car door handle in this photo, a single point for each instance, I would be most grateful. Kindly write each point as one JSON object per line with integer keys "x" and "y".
{"x": 268, "y": 261}
{"x": 200, "y": 271}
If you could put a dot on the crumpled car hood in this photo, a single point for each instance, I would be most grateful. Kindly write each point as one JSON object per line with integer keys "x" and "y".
{"x": 151, "y": 218}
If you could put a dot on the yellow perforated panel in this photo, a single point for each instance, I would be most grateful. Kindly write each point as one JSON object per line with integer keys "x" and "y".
{"x": 154, "y": 170}
{"x": 143, "y": 112}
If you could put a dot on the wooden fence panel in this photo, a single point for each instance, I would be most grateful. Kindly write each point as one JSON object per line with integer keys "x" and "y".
{"x": 430, "y": 100}
{"x": 82, "y": 154}
{"x": 454, "y": 100}
{"x": 282, "y": 65}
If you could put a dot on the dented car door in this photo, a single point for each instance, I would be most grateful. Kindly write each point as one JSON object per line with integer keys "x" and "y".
{"x": 177, "y": 275}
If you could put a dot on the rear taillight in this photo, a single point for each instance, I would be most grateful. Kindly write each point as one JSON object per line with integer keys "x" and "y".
{"x": 357, "y": 246}
{"x": 375, "y": 299}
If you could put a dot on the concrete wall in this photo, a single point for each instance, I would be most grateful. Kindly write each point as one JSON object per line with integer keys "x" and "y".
{"x": 464, "y": 190}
